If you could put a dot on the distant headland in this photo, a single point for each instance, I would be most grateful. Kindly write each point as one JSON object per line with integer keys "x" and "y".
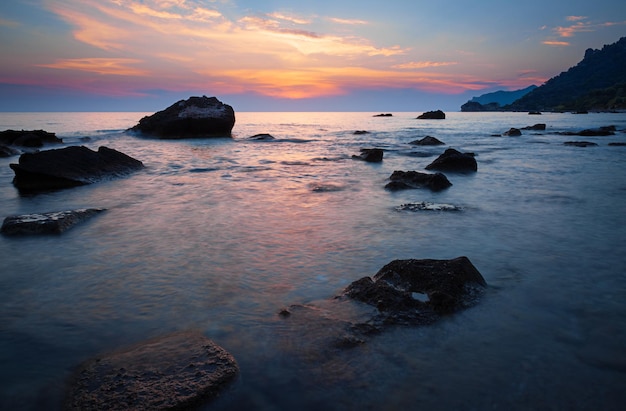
{"x": 597, "y": 83}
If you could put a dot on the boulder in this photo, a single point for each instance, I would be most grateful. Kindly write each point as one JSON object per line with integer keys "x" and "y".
{"x": 383, "y": 115}
{"x": 417, "y": 292}
{"x": 536, "y": 127}
{"x": 400, "y": 180}
{"x": 46, "y": 223}
{"x": 591, "y": 132}
{"x": 454, "y": 160}
{"x": 617, "y": 144}
{"x": 370, "y": 155}
{"x": 178, "y": 371}
{"x": 513, "y": 132}
{"x": 359, "y": 132}
{"x": 432, "y": 115}
{"x": 534, "y": 113}
{"x": 428, "y": 141}
{"x": 262, "y": 137}
{"x": 70, "y": 167}
{"x": 195, "y": 117}
{"x": 28, "y": 138}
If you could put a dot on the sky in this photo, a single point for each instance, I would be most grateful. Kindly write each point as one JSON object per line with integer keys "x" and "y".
{"x": 282, "y": 55}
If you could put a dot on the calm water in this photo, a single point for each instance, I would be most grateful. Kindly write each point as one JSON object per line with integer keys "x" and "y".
{"x": 219, "y": 234}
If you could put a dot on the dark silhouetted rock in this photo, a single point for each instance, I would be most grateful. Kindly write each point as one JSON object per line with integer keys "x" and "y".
{"x": 425, "y": 206}
{"x": 580, "y": 143}
{"x": 262, "y": 137}
{"x": 432, "y": 115}
{"x": 194, "y": 117}
{"x": 371, "y": 155}
{"x": 358, "y": 132}
{"x": 417, "y": 292}
{"x": 617, "y": 144}
{"x": 383, "y": 115}
{"x": 591, "y": 132}
{"x": 536, "y": 127}
{"x": 401, "y": 180}
{"x": 174, "y": 372}
{"x": 28, "y": 138}
{"x": 428, "y": 141}
{"x": 513, "y": 132}
{"x": 454, "y": 160}
{"x": 46, "y": 223}
{"x": 69, "y": 167}
{"x": 534, "y": 113}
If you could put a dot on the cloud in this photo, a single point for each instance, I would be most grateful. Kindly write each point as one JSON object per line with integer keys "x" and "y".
{"x": 575, "y": 18}
{"x": 347, "y": 21}
{"x": 8, "y": 23}
{"x": 555, "y": 43}
{"x": 105, "y": 66}
{"x": 424, "y": 64}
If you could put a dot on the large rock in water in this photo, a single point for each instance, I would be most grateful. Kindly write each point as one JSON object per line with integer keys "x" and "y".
{"x": 46, "y": 223}
{"x": 179, "y": 371}
{"x": 70, "y": 167}
{"x": 27, "y": 138}
{"x": 454, "y": 160}
{"x": 195, "y": 117}
{"x": 432, "y": 115}
{"x": 400, "y": 180}
{"x": 416, "y": 292}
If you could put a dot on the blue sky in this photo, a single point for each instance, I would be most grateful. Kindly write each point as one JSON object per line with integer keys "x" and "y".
{"x": 109, "y": 55}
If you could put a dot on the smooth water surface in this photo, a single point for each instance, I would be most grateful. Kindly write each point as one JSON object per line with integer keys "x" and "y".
{"x": 220, "y": 234}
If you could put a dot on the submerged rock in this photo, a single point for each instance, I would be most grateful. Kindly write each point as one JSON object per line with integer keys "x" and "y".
{"x": 262, "y": 137}
{"x": 432, "y": 115}
{"x": 454, "y": 160}
{"x": 46, "y": 223}
{"x": 370, "y": 155}
{"x": 536, "y": 127}
{"x": 442, "y": 287}
{"x": 195, "y": 117}
{"x": 580, "y": 143}
{"x": 70, "y": 167}
{"x": 28, "y": 138}
{"x": 426, "y": 206}
{"x": 513, "y": 132}
{"x": 177, "y": 371}
{"x": 591, "y": 132}
{"x": 414, "y": 179}
{"x": 428, "y": 141}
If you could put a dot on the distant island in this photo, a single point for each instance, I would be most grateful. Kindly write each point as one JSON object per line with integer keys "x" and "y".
{"x": 597, "y": 83}
{"x": 496, "y": 100}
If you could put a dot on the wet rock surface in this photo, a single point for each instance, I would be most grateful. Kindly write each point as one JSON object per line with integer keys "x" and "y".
{"x": 454, "y": 160}
{"x": 46, "y": 223}
{"x": 401, "y": 180}
{"x": 427, "y": 206}
{"x": 28, "y": 138}
{"x": 432, "y": 115}
{"x": 175, "y": 372}
{"x": 70, "y": 167}
{"x": 195, "y": 117}
{"x": 370, "y": 155}
{"x": 428, "y": 141}
{"x": 512, "y": 132}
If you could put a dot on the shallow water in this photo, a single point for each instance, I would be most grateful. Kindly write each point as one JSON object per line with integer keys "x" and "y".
{"x": 220, "y": 234}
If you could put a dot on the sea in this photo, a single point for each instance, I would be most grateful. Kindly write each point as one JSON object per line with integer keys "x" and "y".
{"x": 219, "y": 235}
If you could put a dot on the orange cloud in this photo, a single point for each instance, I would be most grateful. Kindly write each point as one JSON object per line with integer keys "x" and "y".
{"x": 105, "y": 66}
{"x": 575, "y": 18}
{"x": 347, "y": 21}
{"x": 555, "y": 43}
{"x": 424, "y": 64}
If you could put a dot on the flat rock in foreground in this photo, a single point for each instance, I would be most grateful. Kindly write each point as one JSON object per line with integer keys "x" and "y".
{"x": 46, "y": 223}
{"x": 70, "y": 167}
{"x": 177, "y": 371}
{"x": 195, "y": 117}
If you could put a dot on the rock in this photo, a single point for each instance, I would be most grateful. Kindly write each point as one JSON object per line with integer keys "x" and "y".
{"x": 370, "y": 155}
{"x": 513, "y": 132}
{"x": 534, "y": 113}
{"x": 537, "y": 127}
{"x": 432, "y": 115}
{"x": 28, "y": 138}
{"x": 425, "y": 206}
{"x": 383, "y": 115}
{"x": 414, "y": 179}
{"x": 428, "y": 141}
{"x": 194, "y": 117}
{"x": 618, "y": 144}
{"x": 46, "y": 223}
{"x": 580, "y": 143}
{"x": 359, "y": 132}
{"x": 6, "y": 151}
{"x": 178, "y": 371}
{"x": 69, "y": 167}
{"x": 262, "y": 137}
{"x": 418, "y": 292}
{"x": 454, "y": 160}
{"x": 591, "y": 132}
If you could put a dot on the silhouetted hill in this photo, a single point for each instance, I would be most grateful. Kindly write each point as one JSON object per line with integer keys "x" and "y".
{"x": 500, "y": 98}
{"x": 596, "y": 83}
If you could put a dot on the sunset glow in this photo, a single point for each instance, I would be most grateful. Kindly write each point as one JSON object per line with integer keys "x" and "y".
{"x": 291, "y": 51}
